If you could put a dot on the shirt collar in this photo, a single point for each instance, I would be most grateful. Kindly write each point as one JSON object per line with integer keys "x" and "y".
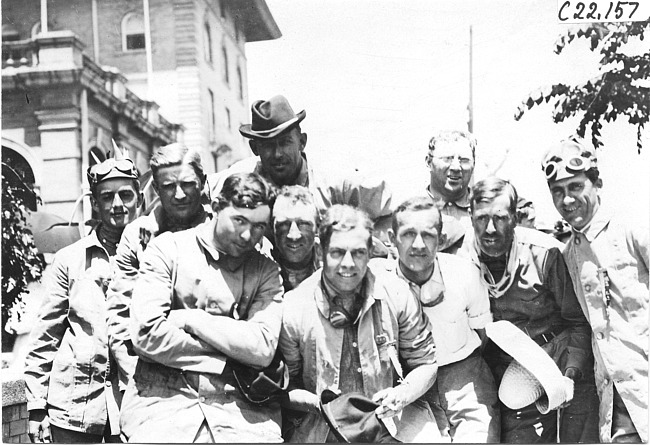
{"x": 596, "y": 225}
{"x": 462, "y": 203}
{"x": 369, "y": 298}
{"x": 431, "y": 292}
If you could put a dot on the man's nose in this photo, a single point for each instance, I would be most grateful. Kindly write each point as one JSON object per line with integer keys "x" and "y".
{"x": 179, "y": 193}
{"x": 455, "y": 163}
{"x": 418, "y": 242}
{"x": 347, "y": 260}
{"x": 294, "y": 232}
{"x": 490, "y": 226}
{"x": 117, "y": 201}
{"x": 568, "y": 199}
{"x": 246, "y": 234}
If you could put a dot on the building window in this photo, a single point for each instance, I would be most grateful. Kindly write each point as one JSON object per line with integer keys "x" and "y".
{"x": 212, "y": 122}
{"x": 133, "y": 32}
{"x": 207, "y": 42}
{"x": 224, "y": 65}
{"x": 240, "y": 83}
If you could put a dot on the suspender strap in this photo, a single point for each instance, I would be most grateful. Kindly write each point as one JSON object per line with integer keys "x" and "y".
{"x": 384, "y": 340}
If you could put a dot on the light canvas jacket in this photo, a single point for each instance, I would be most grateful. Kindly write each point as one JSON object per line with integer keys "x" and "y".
{"x": 620, "y": 331}
{"x": 68, "y": 369}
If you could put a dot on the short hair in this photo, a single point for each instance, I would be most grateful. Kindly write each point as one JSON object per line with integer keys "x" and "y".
{"x": 451, "y": 136}
{"x": 245, "y": 190}
{"x": 492, "y": 187}
{"x": 176, "y": 154}
{"x": 295, "y": 194}
{"x": 343, "y": 218}
{"x": 415, "y": 204}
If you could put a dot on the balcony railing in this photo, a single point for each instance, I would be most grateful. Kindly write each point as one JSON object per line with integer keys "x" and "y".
{"x": 63, "y": 50}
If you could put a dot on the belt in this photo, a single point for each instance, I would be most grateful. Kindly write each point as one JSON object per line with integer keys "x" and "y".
{"x": 546, "y": 337}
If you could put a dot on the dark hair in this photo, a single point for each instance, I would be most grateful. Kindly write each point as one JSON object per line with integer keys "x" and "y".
{"x": 415, "y": 204}
{"x": 247, "y": 190}
{"x": 298, "y": 193}
{"x": 343, "y": 218}
{"x": 176, "y": 154}
{"x": 592, "y": 174}
{"x": 490, "y": 188}
{"x": 451, "y": 136}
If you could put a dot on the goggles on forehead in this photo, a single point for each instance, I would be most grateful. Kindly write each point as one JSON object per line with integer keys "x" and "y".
{"x": 558, "y": 168}
{"x": 112, "y": 168}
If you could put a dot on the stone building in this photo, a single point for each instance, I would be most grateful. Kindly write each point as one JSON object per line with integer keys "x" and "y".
{"x": 101, "y": 69}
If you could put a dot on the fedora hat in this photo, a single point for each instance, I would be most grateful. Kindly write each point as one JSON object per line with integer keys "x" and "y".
{"x": 271, "y": 118}
{"x": 352, "y": 418}
{"x": 532, "y": 376}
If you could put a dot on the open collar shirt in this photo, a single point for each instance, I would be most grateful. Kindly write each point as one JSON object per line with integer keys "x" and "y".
{"x": 456, "y": 302}
{"x": 68, "y": 369}
{"x": 612, "y": 249}
{"x": 312, "y": 347}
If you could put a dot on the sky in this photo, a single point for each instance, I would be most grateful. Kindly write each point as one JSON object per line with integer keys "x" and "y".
{"x": 379, "y": 78}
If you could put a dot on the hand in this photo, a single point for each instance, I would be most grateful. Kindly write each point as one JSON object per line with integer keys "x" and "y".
{"x": 181, "y": 318}
{"x": 39, "y": 426}
{"x": 391, "y": 402}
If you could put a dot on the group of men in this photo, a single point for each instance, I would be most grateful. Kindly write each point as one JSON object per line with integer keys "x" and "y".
{"x": 148, "y": 317}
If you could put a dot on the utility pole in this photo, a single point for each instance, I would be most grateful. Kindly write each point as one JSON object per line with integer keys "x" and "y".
{"x": 470, "y": 106}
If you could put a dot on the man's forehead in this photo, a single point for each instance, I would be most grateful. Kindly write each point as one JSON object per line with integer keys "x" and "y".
{"x": 500, "y": 204}
{"x": 459, "y": 147}
{"x": 180, "y": 172}
{"x": 115, "y": 185}
{"x": 284, "y": 209}
{"x": 579, "y": 178}
{"x": 427, "y": 217}
{"x": 259, "y": 213}
{"x": 349, "y": 239}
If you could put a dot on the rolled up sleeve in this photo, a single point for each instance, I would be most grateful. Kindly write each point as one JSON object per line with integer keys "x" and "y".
{"x": 478, "y": 307}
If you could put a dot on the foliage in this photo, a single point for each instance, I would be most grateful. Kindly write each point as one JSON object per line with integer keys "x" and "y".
{"x": 615, "y": 92}
{"x": 20, "y": 263}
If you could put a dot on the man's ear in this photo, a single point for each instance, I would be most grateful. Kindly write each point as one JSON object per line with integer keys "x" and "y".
{"x": 391, "y": 236}
{"x": 318, "y": 249}
{"x": 599, "y": 183}
{"x": 253, "y": 145}
{"x": 442, "y": 239}
{"x": 303, "y": 141}
{"x": 215, "y": 206}
{"x": 93, "y": 203}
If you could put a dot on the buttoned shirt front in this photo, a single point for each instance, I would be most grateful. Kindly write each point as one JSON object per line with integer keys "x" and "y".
{"x": 68, "y": 369}
{"x": 608, "y": 259}
{"x": 132, "y": 245}
{"x": 312, "y": 347}
{"x": 458, "y": 209}
{"x": 456, "y": 302}
{"x": 181, "y": 380}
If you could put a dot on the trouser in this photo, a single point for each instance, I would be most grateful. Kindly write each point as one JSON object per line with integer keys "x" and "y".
{"x": 528, "y": 425}
{"x": 623, "y": 430}
{"x": 63, "y": 435}
{"x": 466, "y": 395}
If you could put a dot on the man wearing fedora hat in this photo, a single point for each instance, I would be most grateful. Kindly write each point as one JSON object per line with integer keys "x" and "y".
{"x": 278, "y": 144}
{"x": 529, "y": 285}
{"x": 607, "y": 256}
{"x": 70, "y": 374}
